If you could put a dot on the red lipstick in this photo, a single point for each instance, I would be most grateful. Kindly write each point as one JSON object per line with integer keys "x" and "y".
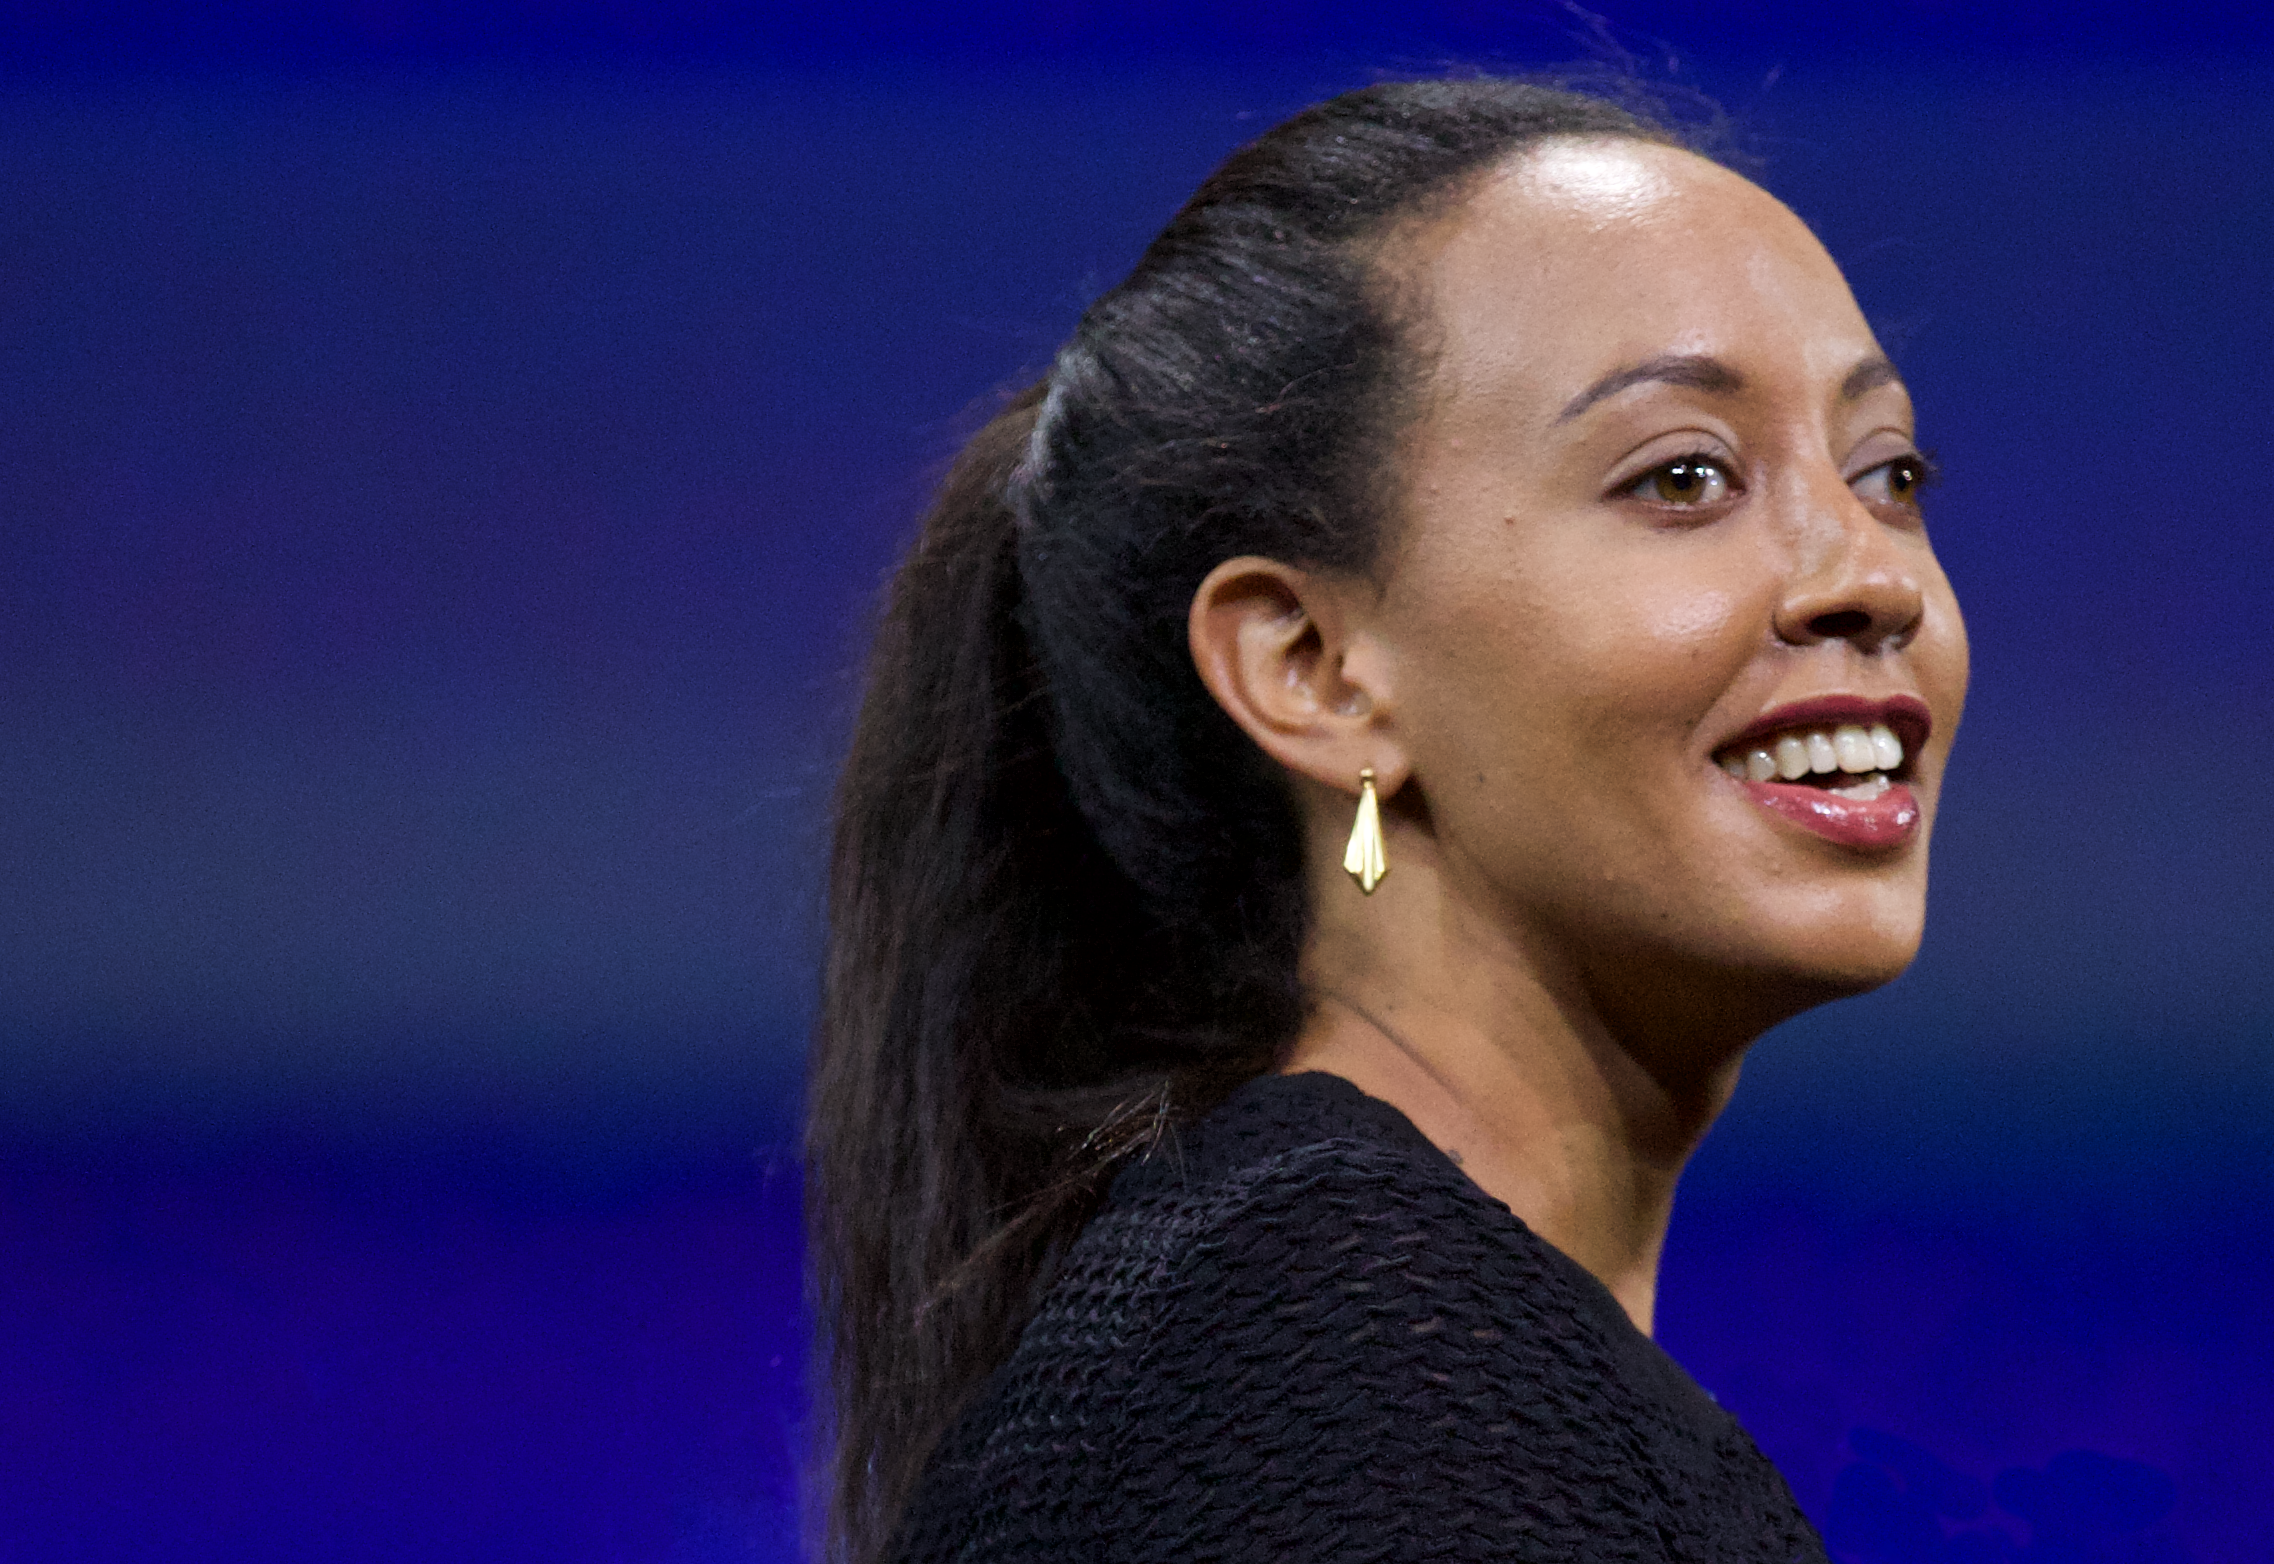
{"x": 1906, "y": 714}
{"x": 1867, "y": 824}
{"x": 1877, "y": 824}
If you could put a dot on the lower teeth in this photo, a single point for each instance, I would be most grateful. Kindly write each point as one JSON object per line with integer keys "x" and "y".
{"x": 1864, "y": 788}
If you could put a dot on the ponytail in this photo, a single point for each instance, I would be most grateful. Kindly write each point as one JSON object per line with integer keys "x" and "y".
{"x": 960, "y": 1102}
{"x": 1067, "y": 901}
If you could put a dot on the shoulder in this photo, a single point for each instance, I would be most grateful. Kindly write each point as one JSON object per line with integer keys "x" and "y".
{"x": 1309, "y": 1213}
{"x": 1295, "y": 1331}
{"x": 1360, "y": 1344}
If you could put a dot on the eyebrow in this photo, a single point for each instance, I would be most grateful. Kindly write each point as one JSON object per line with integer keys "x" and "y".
{"x": 1870, "y": 375}
{"x": 1696, "y": 370}
{"x": 1702, "y": 372}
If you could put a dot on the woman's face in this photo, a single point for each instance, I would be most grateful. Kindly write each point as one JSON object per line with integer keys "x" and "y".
{"x": 1662, "y": 549}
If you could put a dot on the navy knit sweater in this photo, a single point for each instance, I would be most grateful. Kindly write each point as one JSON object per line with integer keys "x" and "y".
{"x": 1300, "y": 1334}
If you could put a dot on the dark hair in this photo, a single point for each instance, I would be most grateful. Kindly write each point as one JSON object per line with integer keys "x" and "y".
{"x": 1067, "y": 897}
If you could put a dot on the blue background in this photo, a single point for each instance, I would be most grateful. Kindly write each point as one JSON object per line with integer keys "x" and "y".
{"x": 446, "y": 458}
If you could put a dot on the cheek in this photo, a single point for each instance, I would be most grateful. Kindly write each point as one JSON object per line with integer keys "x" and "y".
{"x": 1689, "y": 622}
{"x": 1573, "y": 667}
{"x": 1678, "y": 645}
{"x": 1642, "y": 655}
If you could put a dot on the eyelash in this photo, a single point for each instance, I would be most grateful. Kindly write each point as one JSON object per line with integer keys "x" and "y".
{"x": 1925, "y": 473}
{"x": 1692, "y": 461}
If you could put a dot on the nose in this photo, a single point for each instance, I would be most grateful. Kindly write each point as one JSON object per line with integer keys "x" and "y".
{"x": 1851, "y": 580}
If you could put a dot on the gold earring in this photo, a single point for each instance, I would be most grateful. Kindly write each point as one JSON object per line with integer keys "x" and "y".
{"x": 1362, "y": 860}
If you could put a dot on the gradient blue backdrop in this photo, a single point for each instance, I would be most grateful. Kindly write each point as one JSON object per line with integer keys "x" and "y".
{"x": 446, "y": 455}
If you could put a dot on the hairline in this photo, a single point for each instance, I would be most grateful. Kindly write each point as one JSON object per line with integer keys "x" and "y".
{"x": 1393, "y": 264}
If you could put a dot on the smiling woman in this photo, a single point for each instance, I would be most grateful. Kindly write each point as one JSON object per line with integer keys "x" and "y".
{"x": 1469, "y": 460}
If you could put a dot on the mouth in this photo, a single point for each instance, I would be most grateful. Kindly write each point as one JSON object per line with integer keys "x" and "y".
{"x": 1838, "y": 767}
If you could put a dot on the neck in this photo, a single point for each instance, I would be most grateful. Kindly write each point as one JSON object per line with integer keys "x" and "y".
{"x": 1517, "y": 1076}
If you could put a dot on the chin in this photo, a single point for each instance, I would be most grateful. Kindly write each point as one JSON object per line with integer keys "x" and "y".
{"x": 1836, "y": 951}
{"x": 1848, "y": 938}
{"x": 1854, "y": 961}
{"x": 1705, "y": 1003}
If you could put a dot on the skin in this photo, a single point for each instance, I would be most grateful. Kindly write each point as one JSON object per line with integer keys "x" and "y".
{"x": 1586, "y": 922}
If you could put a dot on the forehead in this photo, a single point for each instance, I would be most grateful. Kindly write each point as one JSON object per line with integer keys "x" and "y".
{"x": 1581, "y": 256}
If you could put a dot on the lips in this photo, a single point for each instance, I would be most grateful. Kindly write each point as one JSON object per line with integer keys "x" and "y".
{"x": 1904, "y": 715}
{"x": 1836, "y": 766}
{"x": 1869, "y": 825}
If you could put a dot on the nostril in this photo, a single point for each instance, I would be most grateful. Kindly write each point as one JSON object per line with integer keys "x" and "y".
{"x": 1846, "y": 624}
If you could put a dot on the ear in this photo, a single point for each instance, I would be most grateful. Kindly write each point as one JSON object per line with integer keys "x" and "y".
{"x": 1287, "y": 653}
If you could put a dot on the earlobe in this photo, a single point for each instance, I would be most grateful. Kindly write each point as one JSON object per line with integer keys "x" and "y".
{"x": 1274, "y": 645}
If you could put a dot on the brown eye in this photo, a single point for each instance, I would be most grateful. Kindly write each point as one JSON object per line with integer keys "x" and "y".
{"x": 1899, "y": 480}
{"x": 1691, "y": 481}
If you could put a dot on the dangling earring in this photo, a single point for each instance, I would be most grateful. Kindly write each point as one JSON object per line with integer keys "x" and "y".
{"x": 1362, "y": 860}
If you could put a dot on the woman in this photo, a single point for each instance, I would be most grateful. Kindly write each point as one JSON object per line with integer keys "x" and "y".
{"x": 1446, "y": 659}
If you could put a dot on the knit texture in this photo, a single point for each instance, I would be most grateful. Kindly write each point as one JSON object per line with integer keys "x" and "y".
{"x": 1299, "y": 1333}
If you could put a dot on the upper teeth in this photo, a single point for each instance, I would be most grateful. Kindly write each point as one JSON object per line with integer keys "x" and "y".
{"x": 1791, "y": 756}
